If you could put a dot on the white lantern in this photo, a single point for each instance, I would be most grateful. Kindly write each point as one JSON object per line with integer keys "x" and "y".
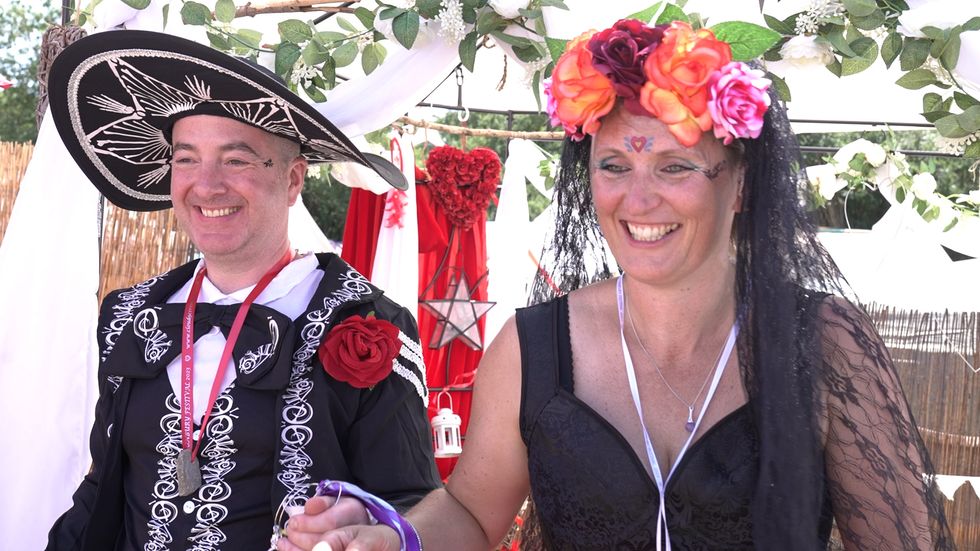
{"x": 445, "y": 429}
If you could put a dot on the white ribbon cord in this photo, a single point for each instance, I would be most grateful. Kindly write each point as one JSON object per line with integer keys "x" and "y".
{"x": 662, "y": 532}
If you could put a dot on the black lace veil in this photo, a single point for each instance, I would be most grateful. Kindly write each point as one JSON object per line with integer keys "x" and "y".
{"x": 834, "y": 426}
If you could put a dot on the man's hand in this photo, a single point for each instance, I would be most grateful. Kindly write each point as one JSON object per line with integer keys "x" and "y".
{"x": 320, "y": 515}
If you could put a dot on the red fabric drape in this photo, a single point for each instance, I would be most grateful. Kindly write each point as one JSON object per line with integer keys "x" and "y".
{"x": 365, "y": 212}
{"x": 461, "y": 254}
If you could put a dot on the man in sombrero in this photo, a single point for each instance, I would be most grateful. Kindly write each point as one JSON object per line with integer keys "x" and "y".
{"x": 233, "y": 384}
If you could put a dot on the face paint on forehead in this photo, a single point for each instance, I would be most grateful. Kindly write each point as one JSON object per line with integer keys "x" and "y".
{"x": 637, "y": 144}
{"x": 267, "y": 163}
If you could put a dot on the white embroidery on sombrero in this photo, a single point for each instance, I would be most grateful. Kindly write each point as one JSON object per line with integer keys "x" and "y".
{"x": 329, "y": 151}
{"x": 265, "y": 114}
{"x": 197, "y": 87}
{"x": 147, "y": 179}
{"x": 110, "y": 105}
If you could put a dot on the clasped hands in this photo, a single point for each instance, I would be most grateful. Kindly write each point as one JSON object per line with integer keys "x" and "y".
{"x": 329, "y": 524}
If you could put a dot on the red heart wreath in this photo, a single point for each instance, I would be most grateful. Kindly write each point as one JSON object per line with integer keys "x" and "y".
{"x": 462, "y": 183}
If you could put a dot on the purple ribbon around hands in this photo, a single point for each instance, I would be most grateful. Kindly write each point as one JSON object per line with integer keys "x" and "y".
{"x": 378, "y": 508}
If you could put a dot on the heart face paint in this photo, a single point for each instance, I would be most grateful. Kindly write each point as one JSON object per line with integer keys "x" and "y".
{"x": 637, "y": 144}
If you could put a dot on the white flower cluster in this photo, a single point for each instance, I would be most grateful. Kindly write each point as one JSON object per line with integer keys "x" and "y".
{"x": 807, "y": 51}
{"x": 809, "y": 21}
{"x": 509, "y": 9}
{"x": 942, "y": 75}
{"x": 303, "y": 74}
{"x": 533, "y": 67}
{"x": 452, "y": 28}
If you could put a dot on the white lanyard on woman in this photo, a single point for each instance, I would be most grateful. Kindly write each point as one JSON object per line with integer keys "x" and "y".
{"x": 662, "y": 533}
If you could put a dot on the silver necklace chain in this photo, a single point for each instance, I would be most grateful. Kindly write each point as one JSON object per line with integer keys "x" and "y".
{"x": 689, "y": 425}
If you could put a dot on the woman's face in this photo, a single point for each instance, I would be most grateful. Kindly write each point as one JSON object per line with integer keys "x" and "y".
{"x": 665, "y": 209}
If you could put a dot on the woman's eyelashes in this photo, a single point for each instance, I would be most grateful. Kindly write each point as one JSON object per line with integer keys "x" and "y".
{"x": 611, "y": 165}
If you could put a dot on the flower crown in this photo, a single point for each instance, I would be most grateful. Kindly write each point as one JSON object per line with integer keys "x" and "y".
{"x": 684, "y": 77}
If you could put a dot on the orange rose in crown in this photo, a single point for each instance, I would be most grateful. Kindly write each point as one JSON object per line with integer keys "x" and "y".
{"x": 578, "y": 94}
{"x": 360, "y": 351}
{"x": 678, "y": 72}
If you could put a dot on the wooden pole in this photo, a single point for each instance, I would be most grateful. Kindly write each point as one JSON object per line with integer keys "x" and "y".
{"x": 287, "y": 6}
{"x": 484, "y": 132}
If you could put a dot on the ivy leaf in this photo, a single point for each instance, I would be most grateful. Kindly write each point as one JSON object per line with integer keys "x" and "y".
{"x": 972, "y": 151}
{"x": 932, "y": 101}
{"x": 973, "y": 24}
{"x": 469, "y": 15}
{"x": 869, "y": 22}
{"x": 554, "y": 3}
{"x": 194, "y": 13}
{"x": 345, "y": 54}
{"x": 890, "y": 48}
{"x": 295, "y": 31}
{"x": 556, "y": 46}
{"x": 915, "y": 51}
{"x": 867, "y": 50}
{"x": 328, "y": 38}
{"x": 166, "y": 16}
{"x": 390, "y": 13}
{"x": 406, "y": 28}
{"x": 964, "y": 101}
{"x": 779, "y": 26}
{"x": 645, "y": 15}
{"x": 365, "y": 16}
{"x": 949, "y": 127}
{"x": 346, "y": 25}
{"x": 224, "y": 11}
{"x": 428, "y": 8}
{"x": 748, "y": 40}
{"x": 138, "y": 4}
{"x": 969, "y": 119}
{"x": 527, "y": 54}
{"x": 672, "y": 13}
{"x": 218, "y": 41}
{"x": 835, "y": 35}
{"x": 951, "y": 53}
{"x": 860, "y": 8}
{"x": 286, "y": 56}
{"x": 489, "y": 21}
{"x": 369, "y": 59}
{"x": 952, "y": 223}
{"x": 916, "y": 78}
{"x": 467, "y": 50}
{"x": 315, "y": 94}
{"x": 900, "y": 194}
{"x": 250, "y": 37}
{"x": 835, "y": 67}
{"x": 516, "y": 41}
{"x": 329, "y": 72}
{"x": 781, "y": 87}
{"x": 314, "y": 53}
{"x": 933, "y": 116}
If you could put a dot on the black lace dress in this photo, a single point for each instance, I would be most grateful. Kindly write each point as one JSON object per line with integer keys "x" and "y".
{"x": 591, "y": 490}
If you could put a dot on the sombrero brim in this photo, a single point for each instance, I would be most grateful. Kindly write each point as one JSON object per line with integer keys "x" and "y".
{"x": 114, "y": 95}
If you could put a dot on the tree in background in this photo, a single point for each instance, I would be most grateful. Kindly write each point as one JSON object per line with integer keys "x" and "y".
{"x": 21, "y": 24}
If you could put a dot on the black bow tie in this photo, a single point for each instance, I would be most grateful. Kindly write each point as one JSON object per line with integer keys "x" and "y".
{"x": 261, "y": 353}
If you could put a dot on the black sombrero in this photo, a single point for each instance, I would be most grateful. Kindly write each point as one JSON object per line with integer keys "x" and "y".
{"x": 114, "y": 96}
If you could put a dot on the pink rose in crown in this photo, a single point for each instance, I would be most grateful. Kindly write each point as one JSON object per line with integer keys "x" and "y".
{"x": 463, "y": 182}
{"x": 738, "y": 101}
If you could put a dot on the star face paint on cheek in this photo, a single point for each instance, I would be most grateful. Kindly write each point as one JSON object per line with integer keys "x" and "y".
{"x": 637, "y": 144}
{"x": 268, "y": 163}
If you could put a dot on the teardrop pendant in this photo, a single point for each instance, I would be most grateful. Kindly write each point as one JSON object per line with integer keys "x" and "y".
{"x": 689, "y": 426}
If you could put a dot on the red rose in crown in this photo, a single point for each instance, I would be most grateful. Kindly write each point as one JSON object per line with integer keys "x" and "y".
{"x": 360, "y": 351}
{"x": 463, "y": 182}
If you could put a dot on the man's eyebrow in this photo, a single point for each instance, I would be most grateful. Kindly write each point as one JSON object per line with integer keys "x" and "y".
{"x": 231, "y": 146}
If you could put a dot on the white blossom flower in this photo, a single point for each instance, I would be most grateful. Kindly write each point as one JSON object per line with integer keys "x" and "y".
{"x": 807, "y": 51}
{"x": 873, "y": 153}
{"x": 974, "y": 197}
{"x": 452, "y": 28}
{"x": 809, "y": 21}
{"x": 923, "y": 185}
{"x": 942, "y": 75}
{"x": 303, "y": 74}
{"x": 824, "y": 178}
{"x": 508, "y": 9}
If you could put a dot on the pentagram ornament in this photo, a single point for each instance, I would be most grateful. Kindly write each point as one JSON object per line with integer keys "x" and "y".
{"x": 457, "y": 315}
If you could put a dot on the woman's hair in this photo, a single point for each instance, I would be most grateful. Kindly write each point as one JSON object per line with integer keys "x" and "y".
{"x": 790, "y": 333}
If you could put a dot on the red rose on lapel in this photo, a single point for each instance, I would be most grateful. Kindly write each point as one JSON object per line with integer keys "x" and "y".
{"x": 359, "y": 351}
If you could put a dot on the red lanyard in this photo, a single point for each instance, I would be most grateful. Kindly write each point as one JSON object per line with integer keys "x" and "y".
{"x": 187, "y": 353}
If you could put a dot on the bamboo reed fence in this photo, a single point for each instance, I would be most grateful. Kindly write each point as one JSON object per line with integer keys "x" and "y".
{"x": 13, "y": 163}
{"x": 138, "y": 245}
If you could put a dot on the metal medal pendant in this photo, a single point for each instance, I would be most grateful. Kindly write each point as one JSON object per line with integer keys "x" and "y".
{"x": 689, "y": 425}
{"x": 188, "y": 473}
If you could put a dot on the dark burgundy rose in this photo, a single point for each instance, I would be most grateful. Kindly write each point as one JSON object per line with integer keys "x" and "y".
{"x": 619, "y": 51}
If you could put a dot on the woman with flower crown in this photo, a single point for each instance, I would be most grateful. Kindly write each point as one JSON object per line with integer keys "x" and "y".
{"x": 720, "y": 393}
